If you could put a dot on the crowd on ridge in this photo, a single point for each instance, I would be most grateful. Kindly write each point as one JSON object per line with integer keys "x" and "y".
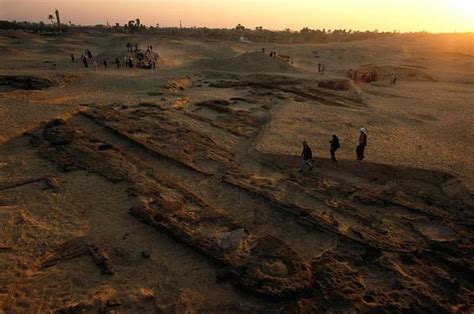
{"x": 141, "y": 59}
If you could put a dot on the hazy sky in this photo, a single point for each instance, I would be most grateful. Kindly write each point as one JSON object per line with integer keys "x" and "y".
{"x": 403, "y": 15}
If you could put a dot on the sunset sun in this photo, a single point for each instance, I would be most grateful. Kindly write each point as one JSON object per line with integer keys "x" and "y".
{"x": 464, "y": 7}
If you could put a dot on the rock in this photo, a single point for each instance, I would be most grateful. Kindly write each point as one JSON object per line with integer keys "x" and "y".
{"x": 146, "y": 294}
{"x": 230, "y": 239}
{"x": 12, "y": 82}
{"x": 105, "y": 146}
{"x": 55, "y": 122}
{"x": 146, "y": 254}
{"x": 58, "y": 135}
{"x": 113, "y": 303}
{"x": 52, "y": 183}
{"x": 219, "y": 105}
{"x": 33, "y": 139}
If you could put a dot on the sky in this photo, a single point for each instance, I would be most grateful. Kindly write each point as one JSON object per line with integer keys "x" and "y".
{"x": 384, "y": 15}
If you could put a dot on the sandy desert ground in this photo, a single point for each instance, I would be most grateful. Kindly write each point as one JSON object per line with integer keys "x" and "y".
{"x": 176, "y": 190}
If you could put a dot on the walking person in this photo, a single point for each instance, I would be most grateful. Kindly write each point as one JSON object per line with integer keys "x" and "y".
{"x": 362, "y": 144}
{"x": 307, "y": 157}
{"x": 335, "y": 145}
{"x": 84, "y": 60}
{"x": 393, "y": 79}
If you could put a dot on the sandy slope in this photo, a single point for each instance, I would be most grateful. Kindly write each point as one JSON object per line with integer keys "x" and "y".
{"x": 395, "y": 229}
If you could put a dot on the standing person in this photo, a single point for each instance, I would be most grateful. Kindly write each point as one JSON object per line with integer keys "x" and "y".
{"x": 335, "y": 145}
{"x": 117, "y": 63}
{"x": 105, "y": 64}
{"x": 136, "y": 47}
{"x": 95, "y": 66}
{"x": 89, "y": 54}
{"x": 319, "y": 67}
{"x": 72, "y": 58}
{"x": 393, "y": 79}
{"x": 84, "y": 60}
{"x": 307, "y": 157}
{"x": 362, "y": 143}
{"x": 323, "y": 69}
{"x": 151, "y": 48}
{"x": 128, "y": 46}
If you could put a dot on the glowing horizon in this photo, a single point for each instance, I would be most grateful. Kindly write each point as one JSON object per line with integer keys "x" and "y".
{"x": 437, "y": 16}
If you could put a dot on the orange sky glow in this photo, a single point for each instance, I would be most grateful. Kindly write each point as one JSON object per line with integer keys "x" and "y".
{"x": 388, "y": 15}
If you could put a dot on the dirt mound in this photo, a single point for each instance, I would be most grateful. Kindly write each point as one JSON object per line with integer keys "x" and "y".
{"x": 408, "y": 73}
{"x": 255, "y": 62}
{"x": 180, "y": 83}
{"x": 219, "y": 105}
{"x": 111, "y": 55}
{"x": 25, "y": 82}
{"x": 336, "y": 84}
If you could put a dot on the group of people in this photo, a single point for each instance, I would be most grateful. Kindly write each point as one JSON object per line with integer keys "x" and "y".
{"x": 307, "y": 153}
{"x": 134, "y": 47}
{"x": 273, "y": 53}
{"x": 367, "y": 77}
{"x": 144, "y": 60}
{"x": 85, "y": 56}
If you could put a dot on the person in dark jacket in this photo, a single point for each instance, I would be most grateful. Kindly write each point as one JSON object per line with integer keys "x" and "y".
{"x": 307, "y": 157}
{"x": 72, "y": 58}
{"x": 362, "y": 144}
{"x": 84, "y": 60}
{"x": 335, "y": 145}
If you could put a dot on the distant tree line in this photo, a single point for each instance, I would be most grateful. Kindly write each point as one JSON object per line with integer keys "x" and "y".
{"x": 259, "y": 34}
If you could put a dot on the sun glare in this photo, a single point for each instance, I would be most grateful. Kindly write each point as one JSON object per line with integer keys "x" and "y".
{"x": 464, "y": 8}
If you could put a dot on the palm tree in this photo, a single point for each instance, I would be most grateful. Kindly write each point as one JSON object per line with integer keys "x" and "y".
{"x": 51, "y": 18}
{"x": 57, "y": 17}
